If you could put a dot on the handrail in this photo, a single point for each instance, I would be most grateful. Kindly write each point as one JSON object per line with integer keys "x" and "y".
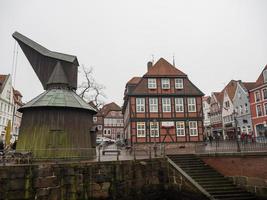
{"x": 199, "y": 187}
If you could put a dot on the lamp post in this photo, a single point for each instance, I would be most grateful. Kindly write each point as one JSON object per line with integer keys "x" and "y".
{"x": 236, "y": 133}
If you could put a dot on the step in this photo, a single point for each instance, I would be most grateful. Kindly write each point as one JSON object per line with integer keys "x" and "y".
{"x": 221, "y": 188}
{"x": 204, "y": 182}
{"x": 238, "y": 198}
{"x": 242, "y": 194}
{"x": 199, "y": 176}
{"x": 233, "y": 191}
{"x": 211, "y": 185}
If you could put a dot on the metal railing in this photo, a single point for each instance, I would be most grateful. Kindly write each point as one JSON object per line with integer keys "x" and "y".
{"x": 231, "y": 146}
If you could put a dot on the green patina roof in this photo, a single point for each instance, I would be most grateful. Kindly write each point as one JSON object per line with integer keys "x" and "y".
{"x": 58, "y": 98}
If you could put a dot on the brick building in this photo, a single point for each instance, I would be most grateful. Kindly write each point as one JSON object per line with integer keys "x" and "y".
{"x": 162, "y": 106}
{"x": 216, "y": 113}
{"x": 258, "y": 104}
{"x": 109, "y": 121}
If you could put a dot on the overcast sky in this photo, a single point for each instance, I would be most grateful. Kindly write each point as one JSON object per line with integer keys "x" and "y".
{"x": 213, "y": 41}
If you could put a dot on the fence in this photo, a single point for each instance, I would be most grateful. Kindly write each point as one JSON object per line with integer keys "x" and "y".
{"x": 137, "y": 151}
{"x": 230, "y": 146}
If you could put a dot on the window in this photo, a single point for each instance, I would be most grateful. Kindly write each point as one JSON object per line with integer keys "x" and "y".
{"x": 257, "y": 96}
{"x": 227, "y": 104}
{"x": 265, "y": 108}
{"x": 99, "y": 127}
{"x": 264, "y": 91}
{"x": 180, "y": 129}
{"x": 154, "y": 129}
{"x": 258, "y": 109}
{"x": 249, "y": 129}
{"x": 153, "y": 104}
{"x": 244, "y": 129}
{"x": 166, "y": 104}
{"x": 191, "y": 104}
{"x": 107, "y": 132}
{"x": 165, "y": 83}
{"x": 246, "y": 107}
{"x": 179, "y": 84}
{"x": 141, "y": 129}
{"x": 265, "y": 75}
{"x": 140, "y": 104}
{"x": 193, "y": 128}
{"x": 152, "y": 83}
{"x": 179, "y": 104}
{"x": 94, "y": 119}
{"x": 241, "y": 109}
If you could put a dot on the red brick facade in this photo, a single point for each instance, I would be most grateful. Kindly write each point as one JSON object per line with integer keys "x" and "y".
{"x": 163, "y": 103}
{"x": 258, "y": 105}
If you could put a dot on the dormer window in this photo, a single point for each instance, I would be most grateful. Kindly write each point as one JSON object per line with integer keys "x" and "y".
{"x": 265, "y": 75}
{"x": 179, "y": 84}
{"x": 152, "y": 83}
{"x": 165, "y": 83}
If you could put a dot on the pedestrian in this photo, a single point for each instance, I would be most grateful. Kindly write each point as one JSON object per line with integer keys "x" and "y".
{"x": 210, "y": 139}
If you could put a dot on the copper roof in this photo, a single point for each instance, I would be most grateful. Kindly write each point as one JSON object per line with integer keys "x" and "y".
{"x": 163, "y": 68}
{"x": 58, "y": 98}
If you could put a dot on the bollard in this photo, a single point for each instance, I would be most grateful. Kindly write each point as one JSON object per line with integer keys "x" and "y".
{"x": 134, "y": 151}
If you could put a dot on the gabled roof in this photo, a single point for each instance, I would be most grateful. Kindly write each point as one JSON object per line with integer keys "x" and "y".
{"x": 134, "y": 81}
{"x": 219, "y": 96}
{"x": 230, "y": 88}
{"x": 163, "y": 68}
{"x": 260, "y": 79}
{"x": 248, "y": 85}
{"x": 58, "y": 75}
{"x": 206, "y": 98}
{"x": 3, "y": 80}
{"x": 107, "y": 108}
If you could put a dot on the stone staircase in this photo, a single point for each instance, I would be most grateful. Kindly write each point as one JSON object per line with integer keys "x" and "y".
{"x": 209, "y": 181}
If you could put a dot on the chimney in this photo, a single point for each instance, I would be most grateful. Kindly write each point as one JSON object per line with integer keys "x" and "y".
{"x": 149, "y": 64}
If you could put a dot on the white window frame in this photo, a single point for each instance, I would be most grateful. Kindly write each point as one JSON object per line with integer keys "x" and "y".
{"x": 99, "y": 127}
{"x": 179, "y": 83}
{"x": 260, "y": 110}
{"x": 140, "y": 105}
{"x": 191, "y": 105}
{"x": 152, "y": 83}
{"x": 263, "y": 93}
{"x": 265, "y": 110}
{"x": 180, "y": 128}
{"x": 153, "y": 105}
{"x": 154, "y": 129}
{"x": 94, "y": 119}
{"x": 166, "y": 104}
{"x": 165, "y": 83}
{"x": 193, "y": 128}
{"x": 255, "y": 95}
{"x": 179, "y": 105}
{"x": 140, "y": 129}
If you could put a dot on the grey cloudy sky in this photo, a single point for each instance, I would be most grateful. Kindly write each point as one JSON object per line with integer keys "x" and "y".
{"x": 214, "y": 41}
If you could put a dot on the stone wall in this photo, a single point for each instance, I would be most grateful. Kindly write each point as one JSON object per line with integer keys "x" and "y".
{"x": 105, "y": 180}
{"x": 247, "y": 170}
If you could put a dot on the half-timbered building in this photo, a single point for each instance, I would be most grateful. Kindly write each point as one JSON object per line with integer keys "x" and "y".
{"x": 162, "y": 106}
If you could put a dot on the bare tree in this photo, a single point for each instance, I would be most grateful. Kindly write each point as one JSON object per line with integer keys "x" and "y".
{"x": 90, "y": 90}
